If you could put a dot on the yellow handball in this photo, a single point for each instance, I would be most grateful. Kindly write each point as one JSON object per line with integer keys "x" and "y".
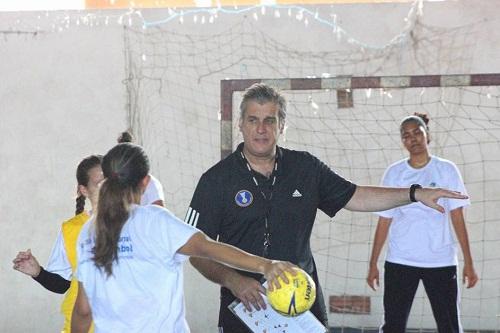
{"x": 295, "y": 297}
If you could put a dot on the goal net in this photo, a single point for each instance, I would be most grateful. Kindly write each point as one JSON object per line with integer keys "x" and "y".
{"x": 356, "y": 132}
{"x": 174, "y": 76}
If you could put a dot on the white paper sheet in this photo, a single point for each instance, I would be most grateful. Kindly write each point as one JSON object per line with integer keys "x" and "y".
{"x": 270, "y": 321}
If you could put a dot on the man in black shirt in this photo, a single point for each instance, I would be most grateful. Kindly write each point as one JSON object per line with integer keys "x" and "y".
{"x": 263, "y": 199}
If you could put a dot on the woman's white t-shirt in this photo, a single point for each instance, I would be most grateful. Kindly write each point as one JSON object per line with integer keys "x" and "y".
{"x": 153, "y": 192}
{"x": 421, "y": 236}
{"x": 145, "y": 292}
{"x": 58, "y": 261}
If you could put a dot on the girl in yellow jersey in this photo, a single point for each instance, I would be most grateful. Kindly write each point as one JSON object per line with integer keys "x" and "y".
{"x": 58, "y": 275}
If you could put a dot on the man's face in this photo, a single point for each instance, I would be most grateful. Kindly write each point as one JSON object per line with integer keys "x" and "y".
{"x": 261, "y": 128}
{"x": 414, "y": 137}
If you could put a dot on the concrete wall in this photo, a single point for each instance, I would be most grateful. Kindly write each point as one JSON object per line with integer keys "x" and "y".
{"x": 66, "y": 92}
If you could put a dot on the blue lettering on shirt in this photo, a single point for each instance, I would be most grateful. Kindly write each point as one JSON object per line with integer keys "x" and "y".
{"x": 125, "y": 248}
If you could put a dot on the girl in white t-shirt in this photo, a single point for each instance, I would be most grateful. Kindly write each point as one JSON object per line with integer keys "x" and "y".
{"x": 421, "y": 244}
{"x": 130, "y": 257}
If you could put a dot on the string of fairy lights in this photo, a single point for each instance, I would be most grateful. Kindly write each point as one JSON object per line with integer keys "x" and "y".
{"x": 59, "y": 21}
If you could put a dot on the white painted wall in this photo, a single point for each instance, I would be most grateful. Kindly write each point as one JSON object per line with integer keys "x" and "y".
{"x": 62, "y": 97}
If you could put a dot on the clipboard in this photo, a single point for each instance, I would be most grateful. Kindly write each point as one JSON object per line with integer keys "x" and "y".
{"x": 270, "y": 321}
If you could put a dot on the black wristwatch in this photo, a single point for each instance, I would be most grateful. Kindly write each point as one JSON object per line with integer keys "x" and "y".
{"x": 413, "y": 187}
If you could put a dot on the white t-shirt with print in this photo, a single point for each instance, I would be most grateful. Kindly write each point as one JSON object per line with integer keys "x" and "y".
{"x": 145, "y": 292}
{"x": 153, "y": 192}
{"x": 421, "y": 236}
{"x": 58, "y": 261}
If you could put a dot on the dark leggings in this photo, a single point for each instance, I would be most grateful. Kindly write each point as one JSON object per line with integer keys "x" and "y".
{"x": 401, "y": 283}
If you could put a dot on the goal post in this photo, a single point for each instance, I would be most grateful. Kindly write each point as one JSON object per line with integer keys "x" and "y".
{"x": 228, "y": 87}
{"x": 351, "y": 123}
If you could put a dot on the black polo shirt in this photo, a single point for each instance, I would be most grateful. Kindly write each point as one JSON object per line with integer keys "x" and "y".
{"x": 229, "y": 206}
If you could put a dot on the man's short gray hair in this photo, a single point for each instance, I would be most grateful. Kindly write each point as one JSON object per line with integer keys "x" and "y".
{"x": 262, "y": 93}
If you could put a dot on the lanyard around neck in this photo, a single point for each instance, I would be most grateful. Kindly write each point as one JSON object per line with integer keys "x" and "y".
{"x": 255, "y": 179}
{"x": 267, "y": 232}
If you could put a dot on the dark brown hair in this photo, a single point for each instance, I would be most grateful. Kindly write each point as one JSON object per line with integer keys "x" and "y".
{"x": 124, "y": 166}
{"x": 82, "y": 177}
{"x": 126, "y": 136}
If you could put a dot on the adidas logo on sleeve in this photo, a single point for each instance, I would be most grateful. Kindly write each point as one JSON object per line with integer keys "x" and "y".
{"x": 296, "y": 194}
{"x": 192, "y": 217}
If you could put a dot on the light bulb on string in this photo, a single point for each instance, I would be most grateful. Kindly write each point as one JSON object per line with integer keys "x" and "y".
{"x": 203, "y": 19}
{"x": 255, "y": 16}
{"x": 339, "y": 34}
{"x": 443, "y": 97}
{"x": 211, "y": 19}
{"x": 139, "y": 14}
{"x": 420, "y": 8}
{"x": 312, "y": 103}
{"x": 277, "y": 13}
{"x": 368, "y": 92}
{"x": 143, "y": 57}
{"x": 195, "y": 18}
{"x": 300, "y": 15}
{"x": 306, "y": 22}
{"x": 263, "y": 10}
{"x": 290, "y": 12}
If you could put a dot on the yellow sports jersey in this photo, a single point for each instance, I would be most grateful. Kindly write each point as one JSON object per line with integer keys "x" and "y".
{"x": 70, "y": 231}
